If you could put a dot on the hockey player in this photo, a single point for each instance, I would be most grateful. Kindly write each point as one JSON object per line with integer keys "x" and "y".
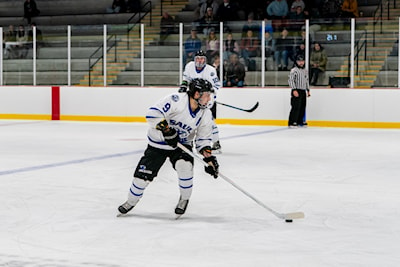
{"x": 198, "y": 68}
{"x": 179, "y": 117}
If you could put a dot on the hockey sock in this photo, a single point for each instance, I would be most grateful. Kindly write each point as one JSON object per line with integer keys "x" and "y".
{"x": 185, "y": 175}
{"x": 136, "y": 190}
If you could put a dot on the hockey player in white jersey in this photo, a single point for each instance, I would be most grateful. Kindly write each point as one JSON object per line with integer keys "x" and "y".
{"x": 198, "y": 68}
{"x": 179, "y": 117}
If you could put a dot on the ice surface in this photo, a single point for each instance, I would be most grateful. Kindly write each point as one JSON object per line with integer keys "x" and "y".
{"x": 61, "y": 184}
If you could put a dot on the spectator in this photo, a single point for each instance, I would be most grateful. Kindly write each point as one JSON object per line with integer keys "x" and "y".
{"x": 39, "y": 38}
{"x": 167, "y": 26}
{"x": 297, "y": 19}
{"x": 278, "y": 11}
{"x": 349, "y": 9}
{"x": 207, "y": 4}
{"x": 235, "y": 72}
{"x": 284, "y": 50}
{"x": 30, "y": 10}
{"x": 300, "y": 50}
{"x": 318, "y": 61}
{"x": 208, "y": 22}
{"x": 133, "y": 6}
{"x": 22, "y": 39}
{"x": 249, "y": 47}
{"x": 217, "y": 65}
{"x": 331, "y": 8}
{"x": 118, "y": 6}
{"x": 192, "y": 45}
{"x": 227, "y": 11}
{"x": 268, "y": 25}
{"x": 212, "y": 46}
{"x": 230, "y": 46}
{"x": 297, "y": 3}
{"x": 10, "y": 38}
{"x": 251, "y": 25}
{"x": 270, "y": 44}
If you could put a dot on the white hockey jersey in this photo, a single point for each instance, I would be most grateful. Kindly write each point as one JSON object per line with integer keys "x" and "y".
{"x": 191, "y": 126}
{"x": 207, "y": 73}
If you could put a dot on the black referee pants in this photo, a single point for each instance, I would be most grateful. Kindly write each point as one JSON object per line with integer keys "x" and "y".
{"x": 298, "y": 108}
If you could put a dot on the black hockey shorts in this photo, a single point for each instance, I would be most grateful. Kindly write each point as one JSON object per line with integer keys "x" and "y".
{"x": 153, "y": 159}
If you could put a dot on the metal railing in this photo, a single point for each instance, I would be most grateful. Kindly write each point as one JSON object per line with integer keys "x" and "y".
{"x": 91, "y": 65}
{"x": 145, "y": 9}
{"x": 361, "y": 44}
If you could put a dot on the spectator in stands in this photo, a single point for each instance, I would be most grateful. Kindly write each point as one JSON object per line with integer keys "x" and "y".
{"x": 30, "y": 10}
{"x": 39, "y": 38}
{"x": 268, "y": 25}
{"x": 318, "y": 61}
{"x": 133, "y": 6}
{"x": 284, "y": 50}
{"x": 249, "y": 47}
{"x": 217, "y": 65}
{"x": 10, "y": 37}
{"x": 297, "y": 3}
{"x": 230, "y": 46}
{"x": 191, "y": 46}
{"x": 207, "y": 4}
{"x": 270, "y": 44}
{"x": 278, "y": 11}
{"x": 212, "y": 46}
{"x": 22, "y": 39}
{"x": 331, "y": 8}
{"x": 118, "y": 6}
{"x": 208, "y": 22}
{"x": 167, "y": 26}
{"x": 227, "y": 11}
{"x": 300, "y": 50}
{"x": 297, "y": 19}
{"x": 349, "y": 9}
{"x": 251, "y": 25}
{"x": 235, "y": 72}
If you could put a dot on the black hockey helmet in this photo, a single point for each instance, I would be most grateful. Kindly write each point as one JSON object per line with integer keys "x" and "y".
{"x": 299, "y": 58}
{"x": 199, "y": 85}
{"x": 200, "y": 54}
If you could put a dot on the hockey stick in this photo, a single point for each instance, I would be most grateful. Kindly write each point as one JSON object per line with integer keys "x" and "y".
{"x": 242, "y": 109}
{"x": 288, "y": 217}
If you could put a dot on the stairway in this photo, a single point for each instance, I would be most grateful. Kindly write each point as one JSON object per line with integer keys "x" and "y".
{"x": 124, "y": 54}
{"x": 371, "y": 63}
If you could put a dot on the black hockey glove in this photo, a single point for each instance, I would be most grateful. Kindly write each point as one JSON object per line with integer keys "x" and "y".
{"x": 212, "y": 169}
{"x": 183, "y": 87}
{"x": 171, "y": 137}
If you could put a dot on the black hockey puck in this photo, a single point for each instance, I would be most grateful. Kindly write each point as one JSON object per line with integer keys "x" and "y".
{"x": 288, "y": 221}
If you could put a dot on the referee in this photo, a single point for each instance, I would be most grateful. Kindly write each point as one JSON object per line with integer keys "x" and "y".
{"x": 298, "y": 81}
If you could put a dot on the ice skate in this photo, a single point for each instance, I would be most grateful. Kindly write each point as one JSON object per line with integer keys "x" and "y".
{"x": 124, "y": 208}
{"x": 181, "y": 207}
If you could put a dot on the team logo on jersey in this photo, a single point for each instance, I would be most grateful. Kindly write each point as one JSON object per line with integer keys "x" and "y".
{"x": 175, "y": 98}
{"x": 212, "y": 74}
{"x": 142, "y": 168}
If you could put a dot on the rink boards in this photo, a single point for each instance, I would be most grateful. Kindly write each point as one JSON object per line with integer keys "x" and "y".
{"x": 364, "y": 108}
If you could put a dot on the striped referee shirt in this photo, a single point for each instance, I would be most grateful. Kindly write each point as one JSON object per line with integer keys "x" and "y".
{"x": 298, "y": 79}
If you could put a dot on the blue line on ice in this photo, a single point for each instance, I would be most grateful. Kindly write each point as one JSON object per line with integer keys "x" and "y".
{"x": 78, "y": 161}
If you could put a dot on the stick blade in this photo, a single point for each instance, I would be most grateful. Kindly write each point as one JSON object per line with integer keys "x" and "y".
{"x": 293, "y": 215}
{"x": 253, "y": 108}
